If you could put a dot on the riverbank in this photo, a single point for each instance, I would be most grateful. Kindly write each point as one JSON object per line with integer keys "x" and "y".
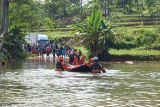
{"x": 134, "y": 55}
{"x": 129, "y": 55}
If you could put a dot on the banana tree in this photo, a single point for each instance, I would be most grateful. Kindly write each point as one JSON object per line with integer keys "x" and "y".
{"x": 91, "y": 30}
{"x": 97, "y": 35}
{"x": 106, "y": 41}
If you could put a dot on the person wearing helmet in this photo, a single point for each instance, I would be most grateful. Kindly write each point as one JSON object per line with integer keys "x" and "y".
{"x": 95, "y": 59}
{"x": 96, "y": 67}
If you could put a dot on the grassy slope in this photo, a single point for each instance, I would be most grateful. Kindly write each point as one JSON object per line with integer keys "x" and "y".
{"x": 59, "y": 34}
{"x": 133, "y": 54}
{"x": 132, "y": 30}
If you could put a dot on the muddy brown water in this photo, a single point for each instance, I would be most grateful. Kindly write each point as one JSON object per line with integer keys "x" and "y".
{"x": 34, "y": 83}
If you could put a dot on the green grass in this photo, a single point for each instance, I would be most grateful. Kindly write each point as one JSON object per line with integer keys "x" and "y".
{"x": 134, "y": 32}
{"x": 127, "y": 23}
{"x": 59, "y": 34}
{"x": 131, "y": 30}
{"x": 134, "y": 52}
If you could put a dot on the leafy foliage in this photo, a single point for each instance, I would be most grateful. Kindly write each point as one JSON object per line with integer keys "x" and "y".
{"x": 14, "y": 42}
{"x": 134, "y": 52}
{"x": 143, "y": 38}
{"x": 97, "y": 34}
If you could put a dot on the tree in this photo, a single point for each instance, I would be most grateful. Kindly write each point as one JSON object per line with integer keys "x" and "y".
{"x": 4, "y": 17}
{"x": 26, "y": 14}
{"x": 105, "y": 6}
{"x": 14, "y": 42}
{"x": 18, "y": 15}
{"x": 90, "y": 30}
{"x": 97, "y": 35}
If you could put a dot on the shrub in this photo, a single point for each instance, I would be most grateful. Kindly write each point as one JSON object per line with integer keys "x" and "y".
{"x": 148, "y": 38}
{"x": 13, "y": 43}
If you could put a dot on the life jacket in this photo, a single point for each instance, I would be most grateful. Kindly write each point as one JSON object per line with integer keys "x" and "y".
{"x": 59, "y": 65}
{"x": 76, "y": 60}
{"x": 90, "y": 63}
{"x": 82, "y": 59}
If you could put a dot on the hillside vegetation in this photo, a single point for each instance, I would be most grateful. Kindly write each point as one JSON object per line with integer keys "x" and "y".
{"x": 133, "y": 24}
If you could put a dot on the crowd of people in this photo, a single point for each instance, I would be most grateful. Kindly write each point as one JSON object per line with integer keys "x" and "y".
{"x": 75, "y": 56}
{"x": 48, "y": 49}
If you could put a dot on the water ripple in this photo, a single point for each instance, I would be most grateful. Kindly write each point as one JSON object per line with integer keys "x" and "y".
{"x": 43, "y": 87}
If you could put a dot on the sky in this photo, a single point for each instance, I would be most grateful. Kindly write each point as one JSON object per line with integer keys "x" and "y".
{"x": 85, "y": 1}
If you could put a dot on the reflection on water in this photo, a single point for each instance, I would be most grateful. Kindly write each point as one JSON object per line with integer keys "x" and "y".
{"x": 35, "y": 83}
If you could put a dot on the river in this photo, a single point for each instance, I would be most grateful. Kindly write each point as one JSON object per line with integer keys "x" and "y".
{"x": 34, "y": 83}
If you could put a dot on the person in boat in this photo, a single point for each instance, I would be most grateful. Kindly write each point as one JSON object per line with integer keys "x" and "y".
{"x": 96, "y": 67}
{"x": 82, "y": 59}
{"x": 89, "y": 63}
{"x": 71, "y": 58}
{"x": 92, "y": 66}
{"x": 60, "y": 66}
{"x": 74, "y": 58}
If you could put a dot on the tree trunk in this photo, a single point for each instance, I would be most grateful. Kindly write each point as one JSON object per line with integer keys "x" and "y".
{"x": 81, "y": 9}
{"x": 4, "y": 17}
{"x": 95, "y": 45}
{"x": 108, "y": 10}
{"x": 122, "y": 3}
